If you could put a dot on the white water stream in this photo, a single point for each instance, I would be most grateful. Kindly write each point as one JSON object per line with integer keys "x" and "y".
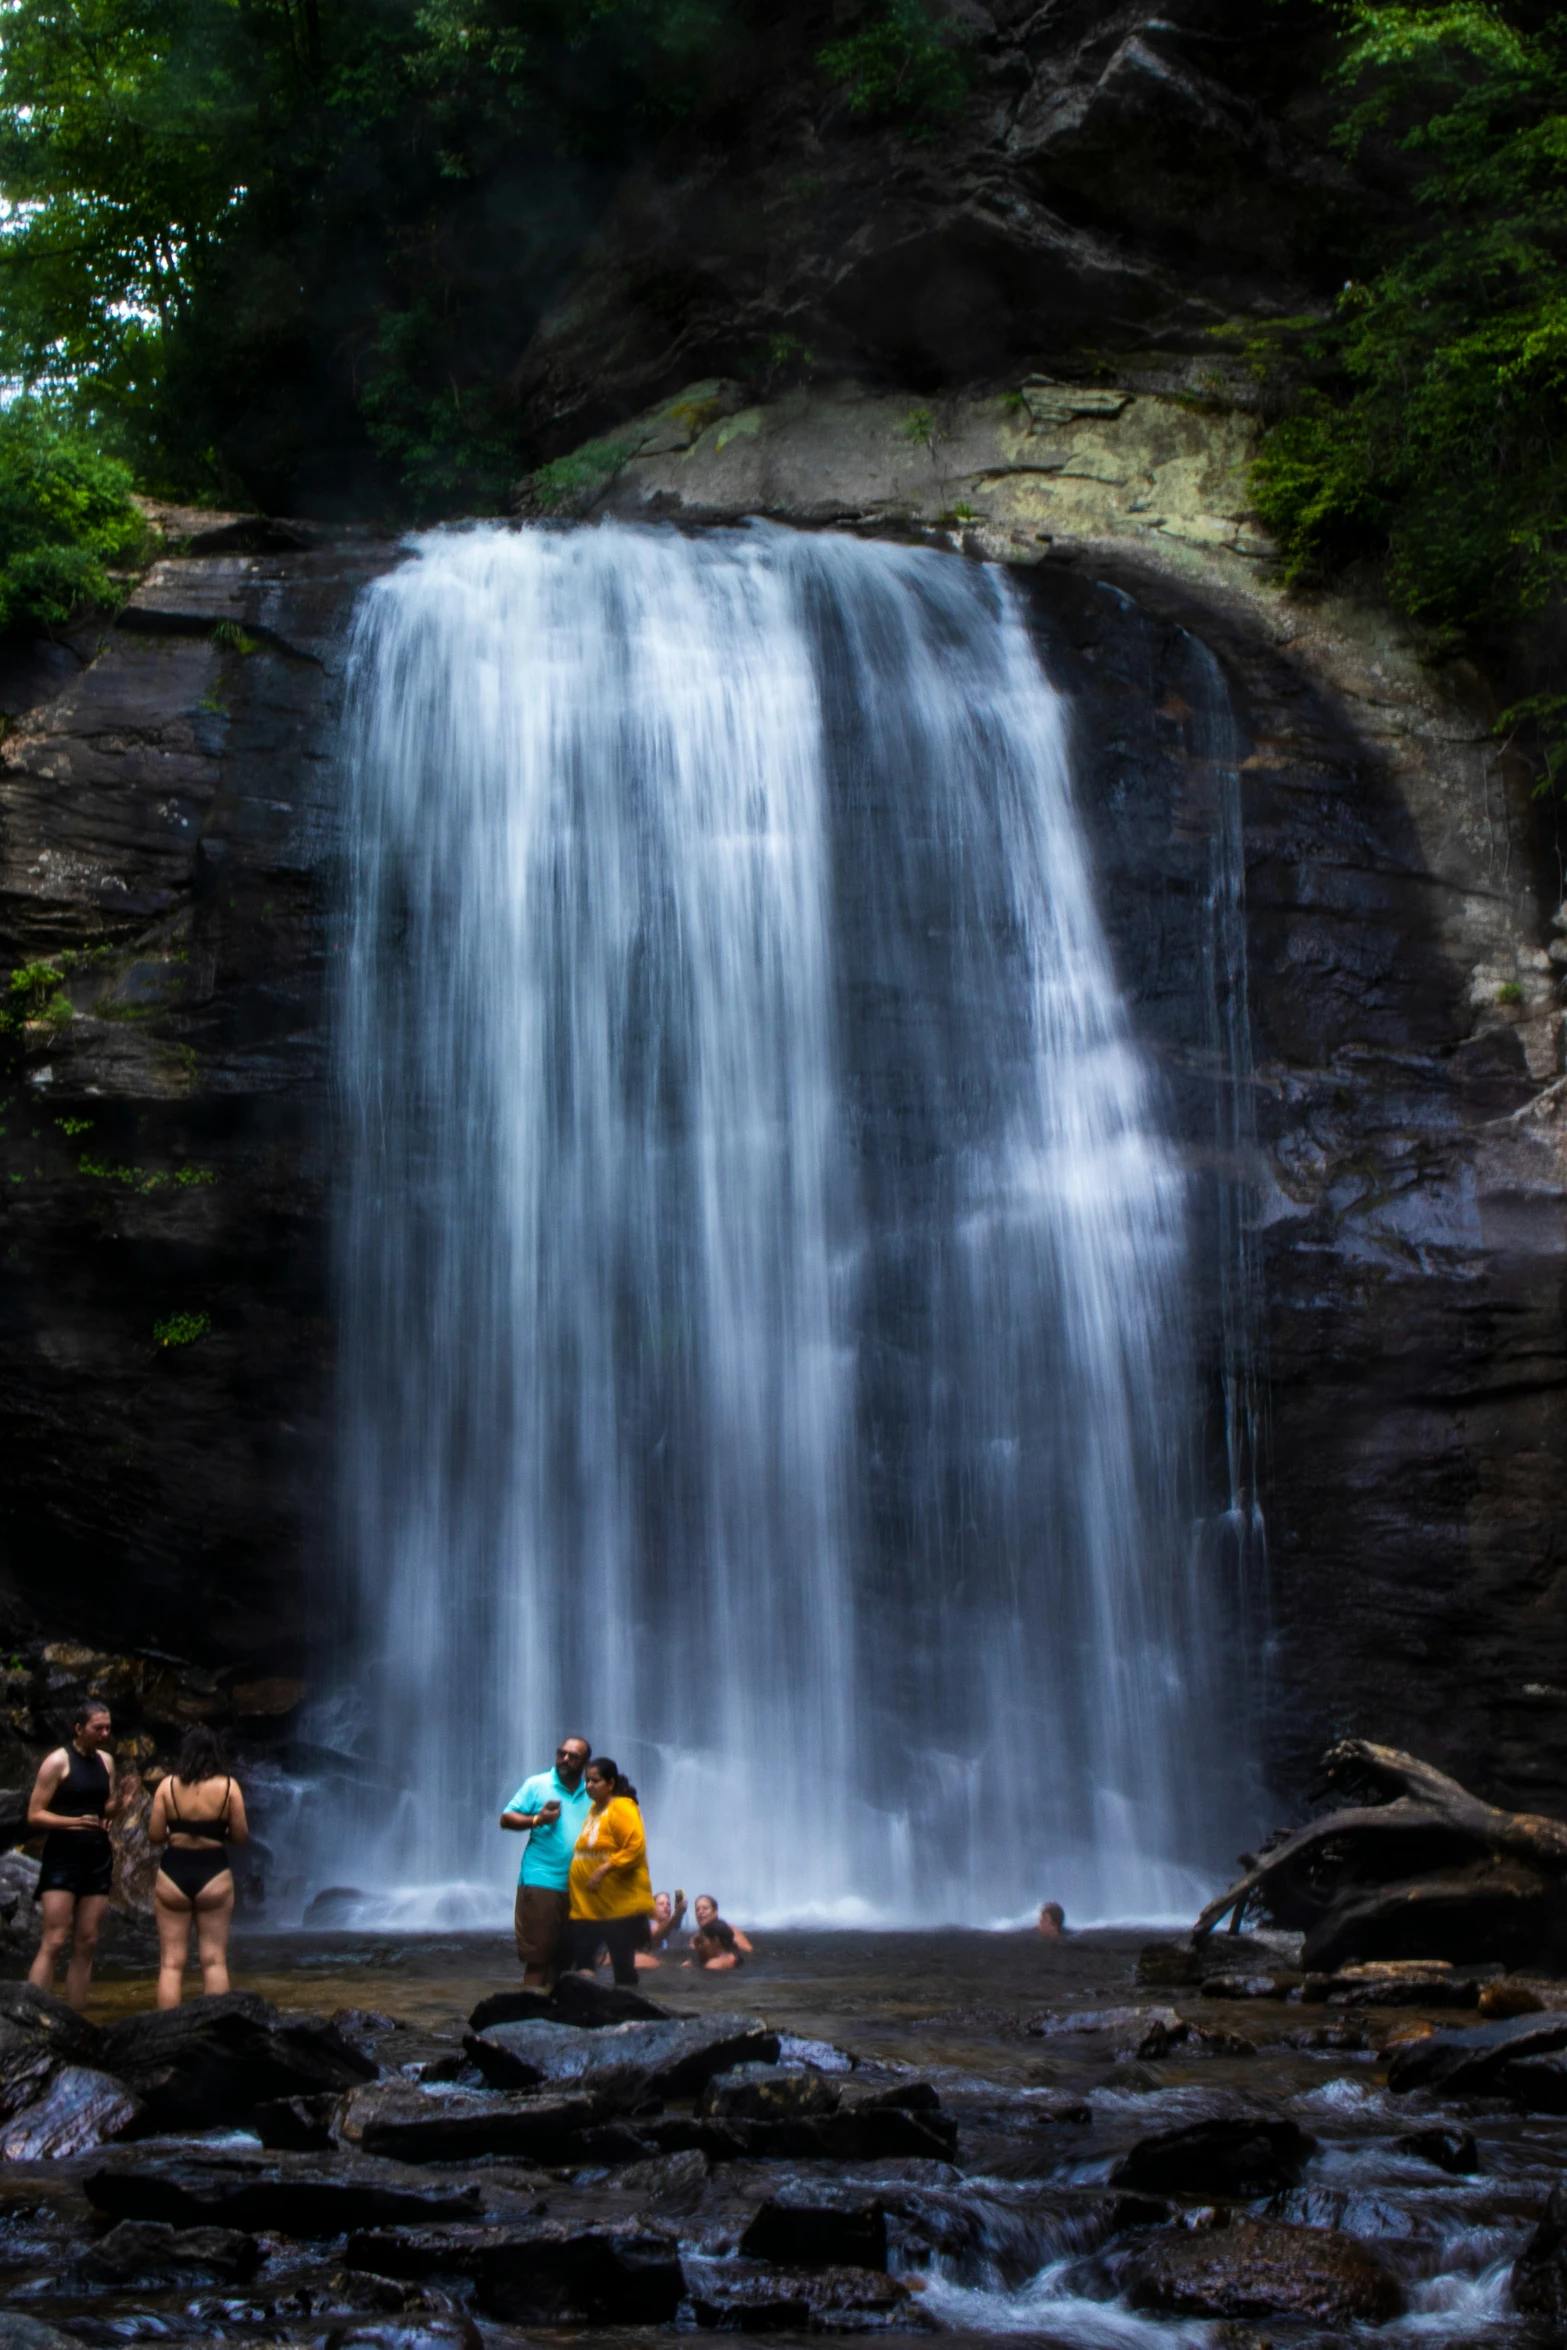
{"x": 763, "y": 1273}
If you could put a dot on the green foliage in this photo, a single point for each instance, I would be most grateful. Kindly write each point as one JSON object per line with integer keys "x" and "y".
{"x": 71, "y": 1127}
{"x": 570, "y": 484}
{"x": 1427, "y": 441}
{"x": 233, "y": 639}
{"x": 65, "y": 517}
{"x": 181, "y": 1329}
{"x": 36, "y": 994}
{"x": 252, "y": 241}
{"x": 906, "y": 66}
{"x": 919, "y": 426}
{"x": 1510, "y": 992}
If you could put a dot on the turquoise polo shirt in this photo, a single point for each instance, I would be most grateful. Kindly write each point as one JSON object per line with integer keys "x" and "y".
{"x": 547, "y": 1859}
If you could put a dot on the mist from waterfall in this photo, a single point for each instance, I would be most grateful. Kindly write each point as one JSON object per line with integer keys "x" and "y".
{"x": 763, "y": 1273}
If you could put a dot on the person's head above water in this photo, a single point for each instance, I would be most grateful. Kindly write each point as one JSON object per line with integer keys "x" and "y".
{"x": 706, "y": 1909}
{"x": 1052, "y": 1920}
{"x": 571, "y": 1757}
{"x": 714, "y": 1944}
{"x": 603, "y": 1779}
{"x": 663, "y": 1910}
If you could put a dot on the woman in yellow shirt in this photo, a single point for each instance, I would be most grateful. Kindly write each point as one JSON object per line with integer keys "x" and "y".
{"x": 610, "y": 1886}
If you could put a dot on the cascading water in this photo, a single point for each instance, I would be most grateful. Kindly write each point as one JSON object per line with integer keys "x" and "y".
{"x": 763, "y": 1274}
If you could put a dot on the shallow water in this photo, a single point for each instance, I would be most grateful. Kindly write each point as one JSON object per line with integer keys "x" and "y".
{"x": 998, "y": 2244}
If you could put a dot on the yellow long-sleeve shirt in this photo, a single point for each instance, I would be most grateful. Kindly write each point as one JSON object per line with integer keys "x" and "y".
{"x": 613, "y": 1835}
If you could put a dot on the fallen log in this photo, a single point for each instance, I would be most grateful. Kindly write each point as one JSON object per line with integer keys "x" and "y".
{"x": 1412, "y": 1866}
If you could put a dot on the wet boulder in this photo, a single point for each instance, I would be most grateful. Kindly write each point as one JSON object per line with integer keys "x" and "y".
{"x": 1241, "y": 2153}
{"x": 444, "y": 2329}
{"x": 626, "y": 2064}
{"x": 576, "y": 1999}
{"x": 1120, "y": 2032}
{"x": 744, "y": 2296}
{"x": 77, "y": 2109}
{"x": 142, "y": 2252}
{"x": 1426, "y": 1982}
{"x": 811, "y": 2227}
{"x": 1539, "y": 2279}
{"x": 1277, "y": 1984}
{"x": 1468, "y": 2062}
{"x": 216, "y": 2059}
{"x": 403, "y": 2123}
{"x": 1258, "y": 2268}
{"x": 539, "y": 2271}
{"x": 291, "y": 2195}
{"x": 1452, "y": 2150}
{"x": 42, "y": 2017}
{"x": 30, "y": 2333}
{"x": 671, "y": 2185}
{"x": 871, "y": 2134}
{"x": 768, "y": 2092}
{"x": 296, "y": 2125}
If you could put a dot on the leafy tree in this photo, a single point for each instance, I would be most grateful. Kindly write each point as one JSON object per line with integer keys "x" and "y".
{"x": 66, "y": 517}
{"x": 1429, "y": 438}
{"x": 906, "y": 65}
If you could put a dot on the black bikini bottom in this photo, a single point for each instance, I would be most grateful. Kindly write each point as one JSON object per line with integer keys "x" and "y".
{"x": 191, "y": 1872}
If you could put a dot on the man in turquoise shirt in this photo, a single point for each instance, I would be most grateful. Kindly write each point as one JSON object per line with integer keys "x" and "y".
{"x": 551, "y": 1807}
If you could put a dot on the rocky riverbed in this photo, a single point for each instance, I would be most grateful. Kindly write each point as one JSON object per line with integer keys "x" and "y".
{"x": 1097, "y": 2142}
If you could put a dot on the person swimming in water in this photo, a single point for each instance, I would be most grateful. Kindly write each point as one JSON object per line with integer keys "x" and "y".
{"x": 706, "y": 1912}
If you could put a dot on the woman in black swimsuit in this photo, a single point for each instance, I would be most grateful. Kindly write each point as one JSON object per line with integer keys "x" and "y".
{"x": 73, "y": 1800}
{"x": 196, "y": 1812}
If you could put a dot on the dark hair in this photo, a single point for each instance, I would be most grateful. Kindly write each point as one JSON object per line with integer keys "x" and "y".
{"x": 611, "y": 1771}
{"x": 1053, "y": 1909}
{"x": 85, "y": 1711}
{"x": 716, "y": 1931}
{"x": 201, "y": 1757}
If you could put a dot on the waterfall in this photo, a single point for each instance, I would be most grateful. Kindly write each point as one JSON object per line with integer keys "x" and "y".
{"x": 763, "y": 1271}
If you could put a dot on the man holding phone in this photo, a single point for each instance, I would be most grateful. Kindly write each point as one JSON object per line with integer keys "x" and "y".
{"x": 551, "y": 1808}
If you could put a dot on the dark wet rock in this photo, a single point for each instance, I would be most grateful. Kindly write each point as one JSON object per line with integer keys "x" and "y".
{"x": 1259, "y": 2268}
{"x": 904, "y": 2096}
{"x": 871, "y": 2135}
{"x": 27, "y": 2065}
{"x": 1204, "y": 2040}
{"x": 1451, "y": 2149}
{"x": 1537, "y": 2083}
{"x": 365, "y": 2028}
{"x": 613, "y": 2144}
{"x": 1058, "y": 2106}
{"x": 296, "y": 2125}
{"x": 403, "y": 2123}
{"x": 539, "y": 2271}
{"x": 1414, "y": 1983}
{"x": 1324, "y": 2038}
{"x": 447, "y": 2329}
{"x": 78, "y": 2110}
{"x": 43, "y": 2017}
{"x": 743, "y": 2296}
{"x": 30, "y": 2333}
{"x": 803, "y": 2227}
{"x": 137, "y": 2251}
{"x": 576, "y": 1999}
{"x": 293, "y": 2195}
{"x": 672, "y": 2184}
{"x": 1270, "y": 1986}
{"x": 626, "y": 2064}
{"x": 1464, "y": 2062}
{"x": 216, "y": 2059}
{"x": 768, "y": 2092}
{"x": 1139, "y": 2032}
{"x": 1539, "y": 2279}
{"x": 1242, "y": 2154}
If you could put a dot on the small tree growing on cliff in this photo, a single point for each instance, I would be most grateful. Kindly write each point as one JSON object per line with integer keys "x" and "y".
{"x": 66, "y": 517}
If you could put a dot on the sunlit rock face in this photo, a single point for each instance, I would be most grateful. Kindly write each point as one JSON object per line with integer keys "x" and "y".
{"x": 172, "y": 814}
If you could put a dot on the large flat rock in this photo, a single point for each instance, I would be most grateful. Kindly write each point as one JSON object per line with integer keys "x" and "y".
{"x": 292, "y": 2195}
{"x": 627, "y": 2063}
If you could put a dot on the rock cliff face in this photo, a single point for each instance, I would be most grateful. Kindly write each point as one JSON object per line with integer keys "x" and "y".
{"x": 169, "y": 854}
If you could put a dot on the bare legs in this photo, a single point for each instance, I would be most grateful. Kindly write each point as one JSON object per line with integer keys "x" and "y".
{"x": 73, "y": 1918}
{"x": 212, "y": 1909}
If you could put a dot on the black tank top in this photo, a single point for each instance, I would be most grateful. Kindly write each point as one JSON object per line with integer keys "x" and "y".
{"x": 84, "y": 1791}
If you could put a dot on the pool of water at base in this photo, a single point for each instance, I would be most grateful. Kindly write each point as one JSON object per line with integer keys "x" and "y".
{"x": 1004, "y": 2242}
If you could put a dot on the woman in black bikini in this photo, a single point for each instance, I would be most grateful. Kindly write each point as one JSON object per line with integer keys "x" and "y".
{"x": 194, "y": 1818}
{"x": 73, "y": 1800}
